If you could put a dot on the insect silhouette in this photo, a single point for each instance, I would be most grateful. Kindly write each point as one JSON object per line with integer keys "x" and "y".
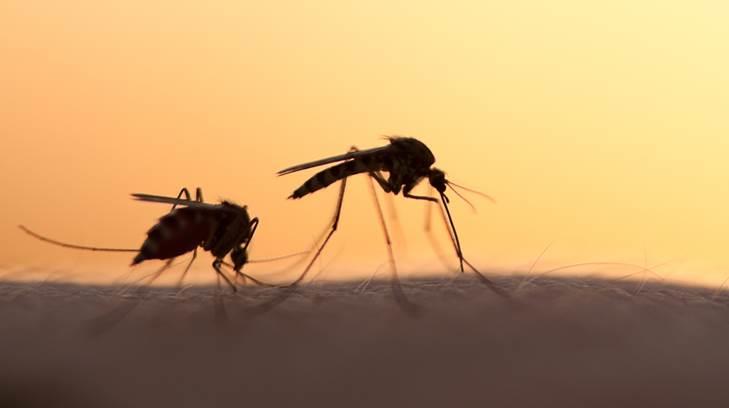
{"x": 407, "y": 161}
{"x": 221, "y": 229}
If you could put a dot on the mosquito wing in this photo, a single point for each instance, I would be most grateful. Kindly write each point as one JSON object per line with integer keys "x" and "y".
{"x": 341, "y": 157}
{"x": 172, "y": 200}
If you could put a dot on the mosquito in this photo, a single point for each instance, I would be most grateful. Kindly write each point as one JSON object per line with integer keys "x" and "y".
{"x": 407, "y": 161}
{"x": 221, "y": 229}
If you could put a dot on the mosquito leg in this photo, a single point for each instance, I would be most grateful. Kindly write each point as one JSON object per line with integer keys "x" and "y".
{"x": 457, "y": 246}
{"x": 452, "y": 234}
{"x": 429, "y": 212}
{"x": 187, "y": 269}
{"x": 428, "y": 228}
{"x": 290, "y": 288}
{"x": 486, "y": 281}
{"x": 397, "y": 291}
{"x": 334, "y": 226}
{"x": 377, "y": 175}
{"x": 252, "y": 227}
{"x": 249, "y": 277}
{"x": 417, "y": 197}
{"x": 160, "y": 270}
{"x": 394, "y": 219}
{"x": 216, "y": 266}
{"x": 150, "y": 279}
{"x": 380, "y": 179}
{"x": 387, "y": 188}
{"x": 182, "y": 192}
{"x": 74, "y": 246}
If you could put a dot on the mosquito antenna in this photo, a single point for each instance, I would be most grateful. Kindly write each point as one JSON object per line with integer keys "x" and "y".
{"x": 470, "y": 190}
{"x": 470, "y": 204}
{"x": 456, "y": 241}
{"x": 73, "y": 246}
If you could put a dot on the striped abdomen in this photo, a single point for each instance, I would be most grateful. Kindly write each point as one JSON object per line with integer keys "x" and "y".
{"x": 328, "y": 176}
{"x": 177, "y": 233}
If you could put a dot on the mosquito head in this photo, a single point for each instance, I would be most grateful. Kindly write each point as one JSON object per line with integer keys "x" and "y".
{"x": 437, "y": 180}
{"x": 239, "y": 256}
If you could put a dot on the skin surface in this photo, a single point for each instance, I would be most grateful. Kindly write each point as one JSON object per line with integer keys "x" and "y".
{"x": 561, "y": 342}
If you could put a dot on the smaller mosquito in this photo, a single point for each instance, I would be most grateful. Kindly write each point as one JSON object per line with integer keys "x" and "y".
{"x": 221, "y": 229}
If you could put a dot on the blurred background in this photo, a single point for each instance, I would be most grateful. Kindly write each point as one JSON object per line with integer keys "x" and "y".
{"x": 601, "y": 130}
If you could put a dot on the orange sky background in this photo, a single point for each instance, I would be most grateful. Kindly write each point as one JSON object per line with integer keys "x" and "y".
{"x": 601, "y": 129}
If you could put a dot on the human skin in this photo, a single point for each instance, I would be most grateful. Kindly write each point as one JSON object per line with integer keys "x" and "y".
{"x": 562, "y": 342}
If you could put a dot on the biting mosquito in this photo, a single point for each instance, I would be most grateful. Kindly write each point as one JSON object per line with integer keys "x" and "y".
{"x": 221, "y": 229}
{"x": 408, "y": 161}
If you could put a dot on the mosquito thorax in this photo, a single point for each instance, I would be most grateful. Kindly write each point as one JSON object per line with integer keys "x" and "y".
{"x": 417, "y": 151}
{"x": 241, "y": 210}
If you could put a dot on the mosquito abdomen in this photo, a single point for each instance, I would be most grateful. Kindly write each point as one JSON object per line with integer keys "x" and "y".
{"x": 177, "y": 233}
{"x": 328, "y": 176}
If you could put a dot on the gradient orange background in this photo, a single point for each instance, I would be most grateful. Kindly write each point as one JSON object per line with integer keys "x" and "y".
{"x": 601, "y": 129}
